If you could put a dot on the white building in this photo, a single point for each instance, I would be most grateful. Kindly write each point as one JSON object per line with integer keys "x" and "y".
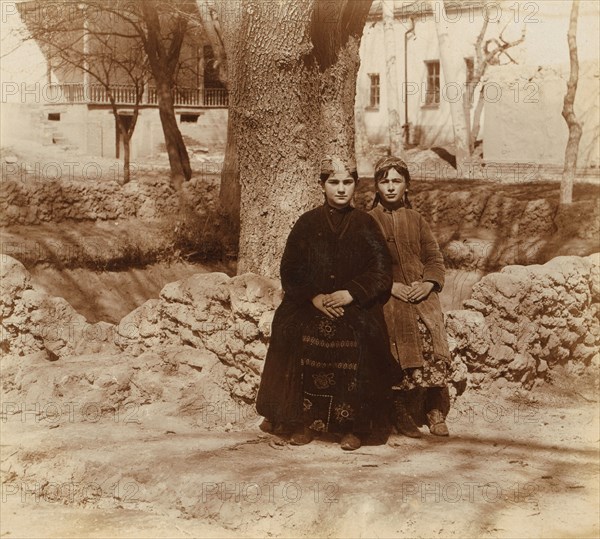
{"x": 521, "y": 118}
{"x": 51, "y": 106}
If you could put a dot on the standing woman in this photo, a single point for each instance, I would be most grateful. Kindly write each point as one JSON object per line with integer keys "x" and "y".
{"x": 414, "y": 315}
{"x": 328, "y": 364}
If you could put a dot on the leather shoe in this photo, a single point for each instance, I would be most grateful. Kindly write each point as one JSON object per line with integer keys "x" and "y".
{"x": 266, "y": 426}
{"x": 404, "y": 422}
{"x": 302, "y": 436}
{"x": 350, "y": 442}
{"x": 437, "y": 425}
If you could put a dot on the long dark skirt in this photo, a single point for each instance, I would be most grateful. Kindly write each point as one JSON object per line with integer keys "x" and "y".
{"x": 328, "y": 375}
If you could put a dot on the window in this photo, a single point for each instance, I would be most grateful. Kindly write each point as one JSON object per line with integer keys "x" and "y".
{"x": 374, "y": 91}
{"x": 470, "y": 71}
{"x": 432, "y": 97}
{"x": 54, "y": 116}
{"x": 190, "y": 118}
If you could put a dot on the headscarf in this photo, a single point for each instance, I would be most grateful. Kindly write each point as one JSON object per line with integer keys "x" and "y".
{"x": 382, "y": 167}
{"x": 331, "y": 165}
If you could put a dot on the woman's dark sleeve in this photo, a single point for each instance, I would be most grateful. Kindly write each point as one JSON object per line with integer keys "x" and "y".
{"x": 375, "y": 281}
{"x": 431, "y": 256}
{"x": 295, "y": 269}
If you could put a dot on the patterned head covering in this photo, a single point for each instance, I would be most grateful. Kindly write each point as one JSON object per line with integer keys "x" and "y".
{"x": 381, "y": 169}
{"x": 331, "y": 165}
{"x": 386, "y": 163}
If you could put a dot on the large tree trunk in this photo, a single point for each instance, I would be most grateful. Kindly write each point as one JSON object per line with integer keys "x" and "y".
{"x": 292, "y": 82}
{"x": 568, "y": 112}
{"x": 452, "y": 67}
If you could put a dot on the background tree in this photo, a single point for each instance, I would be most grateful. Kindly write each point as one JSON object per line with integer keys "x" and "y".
{"x": 291, "y": 74}
{"x": 568, "y": 112}
{"x": 112, "y": 62}
{"x": 492, "y": 51}
{"x": 157, "y": 28}
{"x": 161, "y": 27}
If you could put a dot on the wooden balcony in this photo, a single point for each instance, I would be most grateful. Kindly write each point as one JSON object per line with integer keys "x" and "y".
{"x": 123, "y": 94}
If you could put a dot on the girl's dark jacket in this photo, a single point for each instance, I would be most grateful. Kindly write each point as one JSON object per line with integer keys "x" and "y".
{"x": 319, "y": 258}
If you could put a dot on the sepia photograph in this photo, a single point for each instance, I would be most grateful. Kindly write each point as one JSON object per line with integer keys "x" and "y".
{"x": 300, "y": 268}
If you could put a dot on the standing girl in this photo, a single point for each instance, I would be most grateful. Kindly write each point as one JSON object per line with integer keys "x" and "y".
{"x": 413, "y": 315}
{"x": 328, "y": 364}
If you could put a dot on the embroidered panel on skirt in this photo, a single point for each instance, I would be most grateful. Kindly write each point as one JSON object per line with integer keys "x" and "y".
{"x": 330, "y": 359}
{"x": 434, "y": 372}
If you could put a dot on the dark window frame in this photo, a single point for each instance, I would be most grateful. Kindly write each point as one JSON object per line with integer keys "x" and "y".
{"x": 432, "y": 94}
{"x": 374, "y": 91}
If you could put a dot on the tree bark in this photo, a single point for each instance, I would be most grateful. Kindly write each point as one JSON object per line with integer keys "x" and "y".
{"x": 451, "y": 67}
{"x": 568, "y": 112}
{"x": 126, "y": 160}
{"x": 292, "y": 82}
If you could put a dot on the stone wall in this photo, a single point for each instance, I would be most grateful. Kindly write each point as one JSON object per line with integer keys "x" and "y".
{"x": 34, "y": 199}
{"x": 518, "y": 324}
{"x": 523, "y": 320}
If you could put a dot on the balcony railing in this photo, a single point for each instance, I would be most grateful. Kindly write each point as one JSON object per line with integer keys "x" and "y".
{"x": 123, "y": 94}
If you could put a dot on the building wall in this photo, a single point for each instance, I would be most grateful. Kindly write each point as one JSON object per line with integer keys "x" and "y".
{"x": 522, "y": 119}
{"x": 93, "y": 130}
{"x": 528, "y": 126}
{"x": 430, "y": 125}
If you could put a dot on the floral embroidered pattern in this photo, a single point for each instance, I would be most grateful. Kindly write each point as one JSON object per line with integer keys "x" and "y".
{"x": 318, "y": 425}
{"x": 306, "y": 405}
{"x": 324, "y": 380}
{"x": 344, "y": 412}
{"x": 326, "y": 328}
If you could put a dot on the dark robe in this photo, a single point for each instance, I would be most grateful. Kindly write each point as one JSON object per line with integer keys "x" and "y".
{"x": 329, "y": 250}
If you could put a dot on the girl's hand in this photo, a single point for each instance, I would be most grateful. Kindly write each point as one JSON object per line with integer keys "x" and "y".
{"x": 331, "y": 312}
{"x": 400, "y": 291}
{"x": 338, "y": 299}
{"x": 419, "y": 290}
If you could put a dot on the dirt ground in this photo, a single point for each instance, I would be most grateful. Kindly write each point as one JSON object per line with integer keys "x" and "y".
{"x": 517, "y": 464}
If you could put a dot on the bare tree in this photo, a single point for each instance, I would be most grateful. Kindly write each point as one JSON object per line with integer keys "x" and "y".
{"x": 488, "y": 52}
{"x": 164, "y": 29}
{"x": 112, "y": 59}
{"x": 161, "y": 27}
{"x": 291, "y": 74}
{"x": 568, "y": 112}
